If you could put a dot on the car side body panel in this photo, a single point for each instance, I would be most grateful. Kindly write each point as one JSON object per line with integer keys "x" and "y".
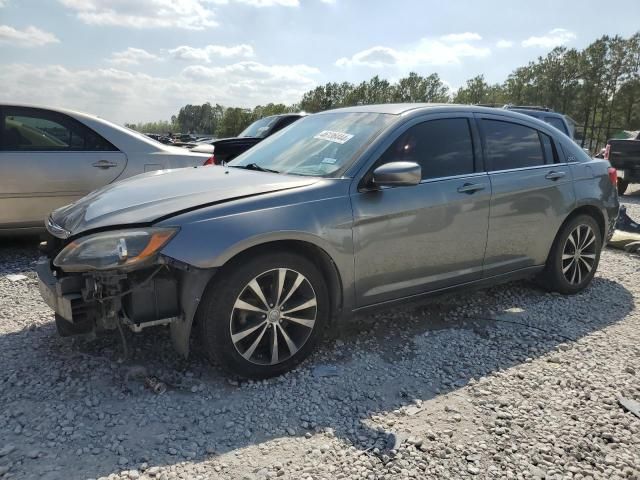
{"x": 211, "y": 236}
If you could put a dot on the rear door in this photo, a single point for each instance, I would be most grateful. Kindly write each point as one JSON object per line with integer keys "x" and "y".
{"x": 532, "y": 193}
{"x": 48, "y": 159}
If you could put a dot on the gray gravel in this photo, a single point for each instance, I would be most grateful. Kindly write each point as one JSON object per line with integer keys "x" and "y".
{"x": 509, "y": 382}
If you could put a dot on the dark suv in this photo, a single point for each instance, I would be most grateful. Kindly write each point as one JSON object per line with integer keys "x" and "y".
{"x": 344, "y": 211}
{"x": 562, "y": 122}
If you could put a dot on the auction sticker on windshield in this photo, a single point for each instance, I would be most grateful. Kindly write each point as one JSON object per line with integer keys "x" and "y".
{"x": 335, "y": 137}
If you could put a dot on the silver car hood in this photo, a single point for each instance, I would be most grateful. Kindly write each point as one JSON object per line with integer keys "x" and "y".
{"x": 161, "y": 194}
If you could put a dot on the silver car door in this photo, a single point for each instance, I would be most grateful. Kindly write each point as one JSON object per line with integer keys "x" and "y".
{"x": 47, "y": 160}
{"x": 411, "y": 240}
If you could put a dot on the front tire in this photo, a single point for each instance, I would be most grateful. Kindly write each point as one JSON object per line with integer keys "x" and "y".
{"x": 574, "y": 256}
{"x": 264, "y": 316}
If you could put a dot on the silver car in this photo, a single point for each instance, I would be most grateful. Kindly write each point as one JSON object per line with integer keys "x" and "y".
{"x": 51, "y": 157}
{"x": 343, "y": 211}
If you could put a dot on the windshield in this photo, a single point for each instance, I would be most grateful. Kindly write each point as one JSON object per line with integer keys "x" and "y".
{"x": 317, "y": 145}
{"x": 259, "y": 128}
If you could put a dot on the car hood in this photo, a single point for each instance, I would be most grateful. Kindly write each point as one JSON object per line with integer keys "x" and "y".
{"x": 151, "y": 196}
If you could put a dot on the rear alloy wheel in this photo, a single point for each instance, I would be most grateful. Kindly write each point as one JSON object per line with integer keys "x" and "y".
{"x": 574, "y": 256}
{"x": 264, "y": 316}
{"x": 579, "y": 254}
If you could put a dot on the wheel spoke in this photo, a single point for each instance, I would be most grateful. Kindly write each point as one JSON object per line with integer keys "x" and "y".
{"x": 579, "y": 269}
{"x": 242, "y": 305}
{"x": 249, "y": 352}
{"x": 566, "y": 256}
{"x": 274, "y": 344}
{"x": 304, "y": 306}
{"x": 589, "y": 267}
{"x": 591, "y": 256}
{"x": 292, "y": 346}
{"x": 258, "y": 291}
{"x": 577, "y": 239}
{"x": 282, "y": 273}
{"x": 298, "y": 281}
{"x": 573, "y": 242}
{"x": 565, "y": 269}
{"x": 588, "y": 240}
{"x": 300, "y": 321}
{"x": 575, "y": 272}
{"x": 236, "y": 337}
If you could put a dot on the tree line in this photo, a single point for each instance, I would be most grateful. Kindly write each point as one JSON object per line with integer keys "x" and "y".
{"x": 599, "y": 87}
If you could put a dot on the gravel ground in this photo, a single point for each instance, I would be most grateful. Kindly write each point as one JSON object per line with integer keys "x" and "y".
{"x": 508, "y": 382}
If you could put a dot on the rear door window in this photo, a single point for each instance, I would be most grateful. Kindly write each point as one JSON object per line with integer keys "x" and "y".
{"x": 41, "y": 130}
{"x": 511, "y": 145}
{"x": 443, "y": 148}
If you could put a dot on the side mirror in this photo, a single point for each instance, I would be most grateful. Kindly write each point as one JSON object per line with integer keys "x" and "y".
{"x": 397, "y": 174}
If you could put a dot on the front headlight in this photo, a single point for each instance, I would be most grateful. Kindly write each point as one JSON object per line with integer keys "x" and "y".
{"x": 115, "y": 249}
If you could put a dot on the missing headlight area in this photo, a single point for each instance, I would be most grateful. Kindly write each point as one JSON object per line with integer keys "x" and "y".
{"x": 103, "y": 301}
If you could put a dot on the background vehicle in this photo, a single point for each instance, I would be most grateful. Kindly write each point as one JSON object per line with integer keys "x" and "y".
{"x": 344, "y": 211}
{"x": 560, "y": 121}
{"x": 624, "y": 156}
{"x": 51, "y": 157}
{"x": 226, "y": 149}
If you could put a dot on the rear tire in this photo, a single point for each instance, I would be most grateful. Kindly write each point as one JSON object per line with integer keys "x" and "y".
{"x": 574, "y": 256}
{"x": 622, "y": 186}
{"x": 251, "y": 321}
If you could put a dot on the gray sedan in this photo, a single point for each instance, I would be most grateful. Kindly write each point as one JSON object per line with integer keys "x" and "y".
{"x": 344, "y": 211}
{"x": 51, "y": 157}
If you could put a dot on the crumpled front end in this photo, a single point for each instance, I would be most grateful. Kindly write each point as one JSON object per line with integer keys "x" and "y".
{"x": 160, "y": 291}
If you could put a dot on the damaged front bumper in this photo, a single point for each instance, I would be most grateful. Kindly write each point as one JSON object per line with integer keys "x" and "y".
{"x": 165, "y": 293}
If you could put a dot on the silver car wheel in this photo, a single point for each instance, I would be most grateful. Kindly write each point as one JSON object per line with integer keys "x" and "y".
{"x": 579, "y": 254}
{"x": 273, "y": 316}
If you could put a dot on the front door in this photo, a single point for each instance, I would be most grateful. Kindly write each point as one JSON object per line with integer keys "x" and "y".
{"x": 411, "y": 240}
{"x": 47, "y": 160}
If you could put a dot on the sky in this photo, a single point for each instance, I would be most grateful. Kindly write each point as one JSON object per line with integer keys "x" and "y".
{"x": 141, "y": 60}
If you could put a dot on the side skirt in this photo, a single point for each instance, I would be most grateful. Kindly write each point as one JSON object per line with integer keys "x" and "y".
{"x": 474, "y": 285}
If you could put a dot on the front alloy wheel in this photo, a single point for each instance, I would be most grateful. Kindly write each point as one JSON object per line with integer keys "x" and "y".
{"x": 262, "y": 316}
{"x": 273, "y": 316}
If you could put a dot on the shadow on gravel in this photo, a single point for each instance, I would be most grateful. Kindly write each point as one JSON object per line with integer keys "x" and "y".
{"x": 68, "y": 401}
{"x": 14, "y": 250}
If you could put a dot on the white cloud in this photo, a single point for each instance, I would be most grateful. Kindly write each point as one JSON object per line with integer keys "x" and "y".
{"x": 188, "y": 14}
{"x": 504, "y": 44}
{"x": 125, "y": 96}
{"x": 555, "y": 37}
{"x": 426, "y": 52}
{"x": 461, "y": 37}
{"x": 270, "y": 3}
{"x": 131, "y": 56}
{"x": 206, "y": 54}
{"x": 3, "y": 3}
{"x": 29, "y": 37}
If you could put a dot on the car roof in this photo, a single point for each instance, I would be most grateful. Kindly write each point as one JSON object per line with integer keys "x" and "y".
{"x": 419, "y": 108}
{"x": 535, "y": 112}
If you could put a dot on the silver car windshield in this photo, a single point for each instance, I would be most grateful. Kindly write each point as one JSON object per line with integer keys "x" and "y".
{"x": 318, "y": 145}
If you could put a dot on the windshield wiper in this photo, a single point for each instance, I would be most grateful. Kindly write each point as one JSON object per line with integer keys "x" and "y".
{"x": 256, "y": 167}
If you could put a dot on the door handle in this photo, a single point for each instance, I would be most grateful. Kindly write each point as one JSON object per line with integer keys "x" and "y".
{"x": 553, "y": 175}
{"x": 470, "y": 188}
{"x": 104, "y": 164}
